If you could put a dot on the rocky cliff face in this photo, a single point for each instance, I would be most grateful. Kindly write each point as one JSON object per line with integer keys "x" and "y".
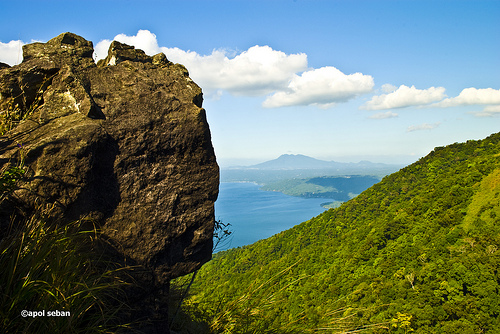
{"x": 125, "y": 142}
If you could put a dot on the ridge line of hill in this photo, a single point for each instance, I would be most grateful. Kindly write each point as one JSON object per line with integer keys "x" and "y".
{"x": 418, "y": 251}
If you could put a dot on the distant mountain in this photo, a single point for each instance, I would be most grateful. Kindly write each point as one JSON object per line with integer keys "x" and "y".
{"x": 290, "y": 166}
{"x": 299, "y": 161}
{"x": 295, "y": 161}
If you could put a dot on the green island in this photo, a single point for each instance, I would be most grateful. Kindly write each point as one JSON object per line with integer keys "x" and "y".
{"x": 339, "y": 188}
{"x": 417, "y": 252}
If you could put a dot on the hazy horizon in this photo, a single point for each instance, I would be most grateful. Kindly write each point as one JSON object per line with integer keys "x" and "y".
{"x": 224, "y": 163}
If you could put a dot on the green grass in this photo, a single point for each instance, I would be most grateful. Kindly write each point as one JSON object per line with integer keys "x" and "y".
{"x": 48, "y": 267}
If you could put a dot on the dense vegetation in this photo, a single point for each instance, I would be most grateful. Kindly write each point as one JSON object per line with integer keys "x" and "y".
{"x": 416, "y": 252}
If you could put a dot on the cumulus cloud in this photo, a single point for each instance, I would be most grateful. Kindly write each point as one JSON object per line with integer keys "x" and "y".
{"x": 403, "y": 97}
{"x": 472, "y": 96}
{"x": 323, "y": 87}
{"x": 101, "y": 49}
{"x": 388, "y": 88}
{"x": 384, "y": 115}
{"x": 11, "y": 53}
{"x": 259, "y": 70}
{"x": 425, "y": 126}
{"x": 144, "y": 40}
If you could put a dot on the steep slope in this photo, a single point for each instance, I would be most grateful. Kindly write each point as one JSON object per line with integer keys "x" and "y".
{"x": 417, "y": 251}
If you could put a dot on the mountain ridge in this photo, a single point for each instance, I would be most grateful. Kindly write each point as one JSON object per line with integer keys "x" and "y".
{"x": 301, "y": 161}
{"x": 288, "y": 166}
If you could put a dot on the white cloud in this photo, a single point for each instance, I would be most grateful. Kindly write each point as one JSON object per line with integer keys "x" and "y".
{"x": 425, "y": 126}
{"x": 384, "y": 115}
{"x": 323, "y": 87}
{"x": 144, "y": 40}
{"x": 405, "y": 96}
{"x": 101, "y": 49}
{"x": 472, "y": 96}
{"x": 11, "y": 53}
{"x": 388, "y": 88}
{"x": 259, "y": 70}
{"x": 492, "y": 109}
{"x": 489, "y": 111}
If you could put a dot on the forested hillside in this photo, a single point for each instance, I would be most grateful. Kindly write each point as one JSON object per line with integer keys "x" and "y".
{"x": 417, "y": 252}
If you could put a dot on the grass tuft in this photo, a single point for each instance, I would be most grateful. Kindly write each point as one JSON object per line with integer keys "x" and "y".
{"x": 51, "y": 268}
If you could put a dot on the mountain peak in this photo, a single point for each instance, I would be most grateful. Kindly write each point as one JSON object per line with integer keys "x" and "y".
{"x": 293, "y": 161}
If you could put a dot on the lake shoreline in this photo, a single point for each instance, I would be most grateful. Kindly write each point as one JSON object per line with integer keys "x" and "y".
{"x": 255, "y": 214}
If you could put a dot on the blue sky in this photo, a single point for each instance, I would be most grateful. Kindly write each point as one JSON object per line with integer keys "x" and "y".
{"x": 385, "y": 81}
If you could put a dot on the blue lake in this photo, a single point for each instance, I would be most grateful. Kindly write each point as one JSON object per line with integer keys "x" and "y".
{"x": 256, "y": 214}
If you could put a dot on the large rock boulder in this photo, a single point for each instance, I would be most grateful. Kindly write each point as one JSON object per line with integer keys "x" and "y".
{"x": 125, "y": 142}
